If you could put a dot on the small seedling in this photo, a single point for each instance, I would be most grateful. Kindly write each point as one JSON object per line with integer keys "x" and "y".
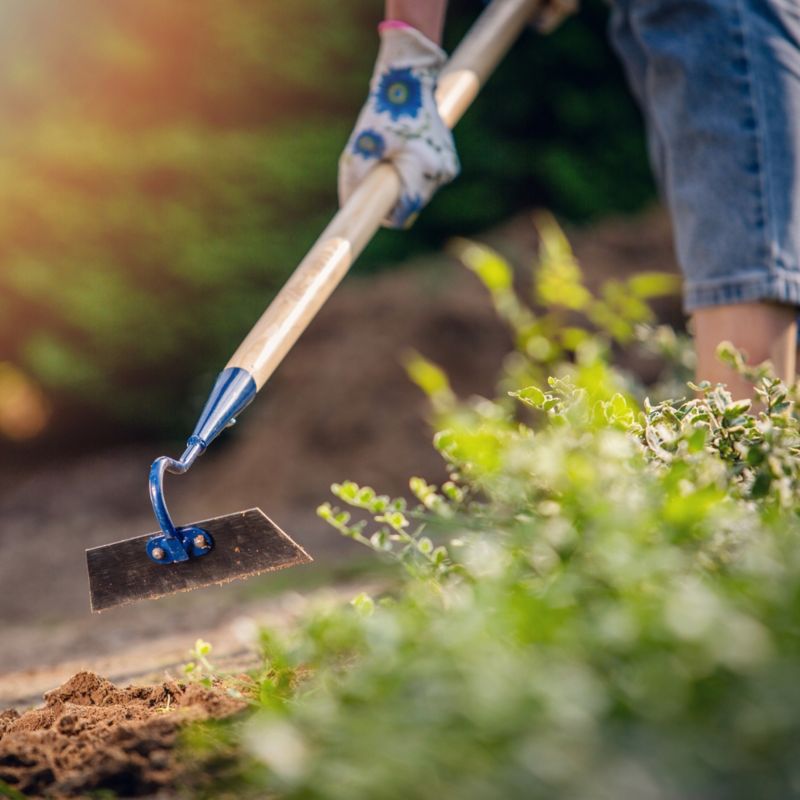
{"x": 200, "y": 668}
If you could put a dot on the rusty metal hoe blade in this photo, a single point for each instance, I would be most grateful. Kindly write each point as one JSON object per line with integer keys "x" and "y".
{"x": 245, "y": 543}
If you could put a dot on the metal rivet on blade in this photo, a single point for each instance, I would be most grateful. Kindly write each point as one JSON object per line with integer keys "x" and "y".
{"x": 200, "y": 541}
{"x": 157, "y": 553}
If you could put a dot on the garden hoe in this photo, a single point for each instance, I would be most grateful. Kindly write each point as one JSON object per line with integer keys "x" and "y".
{"x": 238, "y": 545}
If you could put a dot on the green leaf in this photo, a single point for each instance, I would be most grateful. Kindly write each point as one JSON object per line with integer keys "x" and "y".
{"x": 697, "y": 439}
{"x": 737, "y": 408}
{"x": 530, "y": 395}
{"x": 572, "y": 338}
{"x": 493, "y": 271}
{"x": 202, "y": 647}
{"x": 363, "y": 604}
{"x": 429, "y": 377}
{"x": 365, "y": 496}
{"x": 380, "y": 540}
{"x": 347, "y": 491}
{"x": 379, "y": 504}
{"x": 646, "y": 285}
{"x": 761, "y": 484}
{"x": 10, "y": 792}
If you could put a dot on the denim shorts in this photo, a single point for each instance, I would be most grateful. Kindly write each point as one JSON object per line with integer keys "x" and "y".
{"x": 718, "y": 82}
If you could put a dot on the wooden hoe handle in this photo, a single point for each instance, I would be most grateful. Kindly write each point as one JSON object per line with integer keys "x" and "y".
{"x": 318, "y": 275}
{"x": 357, "y": 221}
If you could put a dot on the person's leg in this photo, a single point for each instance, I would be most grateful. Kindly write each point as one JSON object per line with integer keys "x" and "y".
{"x": 764, "y": 331}
{"x": 719, "y": 83}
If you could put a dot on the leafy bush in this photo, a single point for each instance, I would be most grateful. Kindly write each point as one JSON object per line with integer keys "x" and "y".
{"x": 602, "y": 602}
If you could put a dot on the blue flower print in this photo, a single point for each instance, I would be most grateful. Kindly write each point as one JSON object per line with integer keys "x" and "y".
{"x": 399, "y": 94}
{"x": 406, "y": 211}
{"x": 369, "y": 144}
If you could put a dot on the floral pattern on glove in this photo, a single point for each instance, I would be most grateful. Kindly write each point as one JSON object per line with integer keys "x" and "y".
{"x": 399, "y": 94}
{"x": 406, "y": 211}
{"x": 400, "y": 123}
{"x": 369, "y": 144}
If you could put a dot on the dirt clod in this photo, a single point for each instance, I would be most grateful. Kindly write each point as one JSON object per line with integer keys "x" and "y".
{"x": 90, "y": 735}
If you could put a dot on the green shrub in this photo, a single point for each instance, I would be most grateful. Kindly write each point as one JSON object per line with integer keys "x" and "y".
{"x": 602, "y": 602}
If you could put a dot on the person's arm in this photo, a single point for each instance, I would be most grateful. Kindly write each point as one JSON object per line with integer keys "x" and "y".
{"x": 400, "y": 122}
{"x": 427, "y": 16}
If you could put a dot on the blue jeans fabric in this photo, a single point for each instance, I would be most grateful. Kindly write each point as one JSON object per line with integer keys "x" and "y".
{"x": 718, "y": 82}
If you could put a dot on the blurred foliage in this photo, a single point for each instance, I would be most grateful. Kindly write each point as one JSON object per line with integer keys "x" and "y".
{"x": 164, "y": 166}
{"x": 601, "y": 602}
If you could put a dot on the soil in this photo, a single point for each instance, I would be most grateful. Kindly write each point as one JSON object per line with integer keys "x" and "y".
{"x": 339, "y": 407}
{"x": 91, "y": 735}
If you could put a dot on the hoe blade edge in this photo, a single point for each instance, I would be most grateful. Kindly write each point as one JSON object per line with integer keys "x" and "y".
{"x": 245, "y": 543}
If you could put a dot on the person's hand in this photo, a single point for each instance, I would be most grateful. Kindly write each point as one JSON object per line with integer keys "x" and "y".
{"x": 400, "y": 123}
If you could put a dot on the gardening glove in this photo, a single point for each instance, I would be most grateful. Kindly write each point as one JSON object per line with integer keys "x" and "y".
{"x": 400, "y": 124}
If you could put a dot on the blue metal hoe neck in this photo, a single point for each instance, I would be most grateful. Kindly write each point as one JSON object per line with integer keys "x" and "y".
{"x": 157, "y": 470}
{"x": 233, "y": 391}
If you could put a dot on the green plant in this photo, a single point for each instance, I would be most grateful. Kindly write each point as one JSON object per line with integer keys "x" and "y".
{"x": 200, "y": 669}
{"x": 10, "y": 792}
{"x": 602, "y": 602}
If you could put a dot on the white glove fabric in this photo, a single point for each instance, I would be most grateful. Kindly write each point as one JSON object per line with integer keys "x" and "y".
{"x": 400, "y": 123}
